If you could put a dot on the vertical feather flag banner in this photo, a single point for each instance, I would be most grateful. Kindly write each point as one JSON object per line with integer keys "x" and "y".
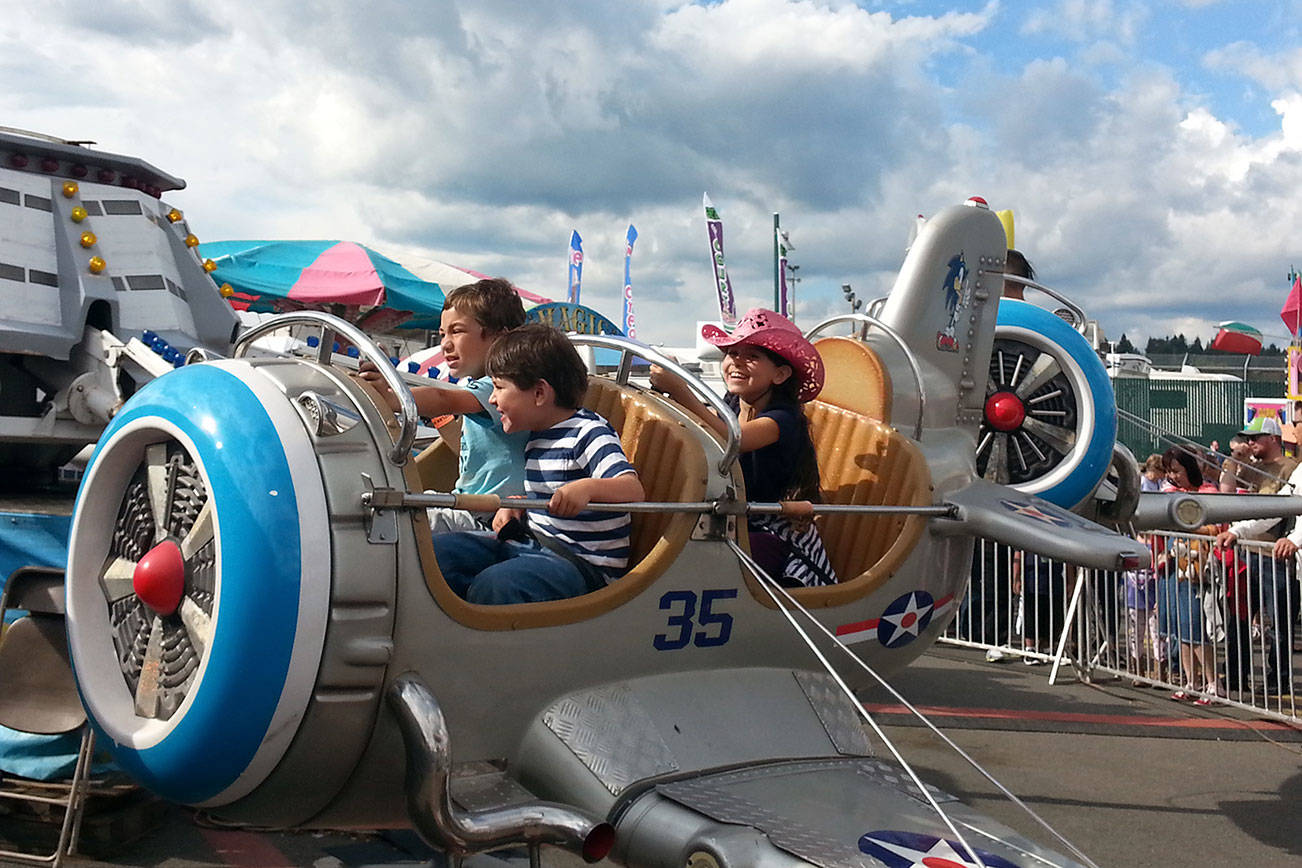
{"x": 714, "y": 226}
{"x": 576, "y": 266}
{"x": 630, "y": 322}
{"x": 784, "y": 292}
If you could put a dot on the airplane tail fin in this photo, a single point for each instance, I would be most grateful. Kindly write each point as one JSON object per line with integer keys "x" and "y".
{"x": 943, "y": 305}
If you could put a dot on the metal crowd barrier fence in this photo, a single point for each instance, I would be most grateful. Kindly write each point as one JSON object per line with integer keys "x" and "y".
{"x": 1207, "y": 625}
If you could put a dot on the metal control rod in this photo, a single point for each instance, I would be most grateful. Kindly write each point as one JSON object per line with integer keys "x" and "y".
{"x": 392, "y": 498}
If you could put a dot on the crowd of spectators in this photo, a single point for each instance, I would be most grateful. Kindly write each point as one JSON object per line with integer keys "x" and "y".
{"x": 1214, "y": 612}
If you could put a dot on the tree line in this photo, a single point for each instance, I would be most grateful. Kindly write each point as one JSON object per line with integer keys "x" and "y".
{"x": 1179, "y": 345}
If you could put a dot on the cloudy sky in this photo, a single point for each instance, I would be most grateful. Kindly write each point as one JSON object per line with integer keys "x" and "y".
{"x": 1151, "y": 149}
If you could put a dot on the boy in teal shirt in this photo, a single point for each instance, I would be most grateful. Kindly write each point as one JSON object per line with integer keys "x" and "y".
{"x": 491, "y": 460}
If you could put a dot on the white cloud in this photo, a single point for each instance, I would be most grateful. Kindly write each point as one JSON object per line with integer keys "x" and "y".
{"x": 1087, "y": 20}
{"x": 481, "y": 133}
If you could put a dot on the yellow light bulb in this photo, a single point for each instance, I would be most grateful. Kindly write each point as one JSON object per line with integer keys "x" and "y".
{"x": 209, "y": 266}
{"x": 88, "y": 239}
{"x": 96, "y": 264}
{"x": 174, "y": 216}
{"x": 78, "y": 214}
{"x": 191, "y": 241}
{"x": 70, "y": 189}
{"x": 226, "y": 290}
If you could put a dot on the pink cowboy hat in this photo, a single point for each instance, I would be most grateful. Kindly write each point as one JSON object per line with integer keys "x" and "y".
{"x": 774, "y": 332}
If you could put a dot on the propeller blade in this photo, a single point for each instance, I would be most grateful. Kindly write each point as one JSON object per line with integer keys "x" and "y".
{"x": 1061, "y": 439}
{"x": 997, "y": 466}
{"x": 1046, "y": 367}
{"x": 198, "y": 626}
{"x": 157, "y": 481}
{"x": 201, "y": 532}
{"x": 116, "y": 580}
{"x": 151, "y": 672}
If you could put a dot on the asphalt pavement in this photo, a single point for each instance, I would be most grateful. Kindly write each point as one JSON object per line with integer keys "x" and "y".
{"x": 1127, "y": 775}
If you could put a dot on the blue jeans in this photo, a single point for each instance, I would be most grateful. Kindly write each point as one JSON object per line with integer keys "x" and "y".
{"x": 480, "y": 568}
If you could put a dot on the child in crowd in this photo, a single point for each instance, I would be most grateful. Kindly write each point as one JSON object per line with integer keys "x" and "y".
{"x": 573, "y": 457}
{"x": 1154, "y": 473}
{"x": 769, "y": 370}
{"x": 491, "y": 460}
{"x": 1186, "y": 592}
{"x": 1147, "y": 653}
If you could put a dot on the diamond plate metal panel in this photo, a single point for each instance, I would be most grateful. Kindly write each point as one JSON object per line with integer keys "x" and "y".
{"x": 710, "y": 796}
{"x": 716, "y": 797}
{"x": 894, "y": 775}
{"x": 838, "y": 716}
{"x": 480, "y": 786}
{"x": 611, "y": 733}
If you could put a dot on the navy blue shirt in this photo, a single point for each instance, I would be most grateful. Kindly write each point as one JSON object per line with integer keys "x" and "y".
{"x": 768, "y": 471}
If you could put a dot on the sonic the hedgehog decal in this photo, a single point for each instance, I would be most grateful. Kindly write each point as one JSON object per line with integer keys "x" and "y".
{"x": 956, "y": 299}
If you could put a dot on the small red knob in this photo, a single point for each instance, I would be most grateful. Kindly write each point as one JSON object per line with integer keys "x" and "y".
{"x": 1005, "y": 411}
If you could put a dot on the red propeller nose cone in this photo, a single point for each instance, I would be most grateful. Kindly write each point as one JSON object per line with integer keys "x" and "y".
{"x": 1005, "y": 411}
{"x": 159, "y": 578}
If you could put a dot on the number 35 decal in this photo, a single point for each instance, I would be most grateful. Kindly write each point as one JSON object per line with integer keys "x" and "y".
{"x": 716, "y": 627}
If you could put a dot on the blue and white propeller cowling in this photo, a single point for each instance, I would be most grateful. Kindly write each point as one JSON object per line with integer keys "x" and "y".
{"x": 246, "y": 678}
{"x": 1051, "y": 420}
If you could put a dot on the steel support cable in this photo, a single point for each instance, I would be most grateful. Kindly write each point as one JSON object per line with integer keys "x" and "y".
{"x": 765, "y": 581}
{"x": 768, "y": 584}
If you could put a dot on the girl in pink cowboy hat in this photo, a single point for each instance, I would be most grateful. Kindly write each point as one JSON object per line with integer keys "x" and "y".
{"x": 769, "y": 370}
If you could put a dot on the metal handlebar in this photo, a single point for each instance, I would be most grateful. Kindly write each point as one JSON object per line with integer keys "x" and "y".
{"x": 868, "y": 320}
{"x": 1077, "y": 312}
{"x": 629, "y": 349}
{"x": 330, "y": 326}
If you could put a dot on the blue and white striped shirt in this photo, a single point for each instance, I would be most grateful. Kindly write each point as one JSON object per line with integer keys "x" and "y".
{"x": 584, "y": 446}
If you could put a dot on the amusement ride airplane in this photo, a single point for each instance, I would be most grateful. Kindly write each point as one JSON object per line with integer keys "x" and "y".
{"x": 259, "y": 627}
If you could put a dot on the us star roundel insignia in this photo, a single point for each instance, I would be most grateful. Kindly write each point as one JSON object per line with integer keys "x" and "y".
{"x": 915, "y": 850}
{"x": 900, "y": 623}
{"x": 1030, "y": 510}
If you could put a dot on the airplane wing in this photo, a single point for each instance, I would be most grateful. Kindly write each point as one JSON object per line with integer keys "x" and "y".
{"x": 1024, "y": 521}
{"x": 1177, "y": 510}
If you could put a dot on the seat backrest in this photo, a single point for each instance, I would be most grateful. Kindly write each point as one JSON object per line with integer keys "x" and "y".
{"x": 670, "y": 462}
{"x": 862, "y": 461}
{"x": 34, "y": 589}
{"x": 855, "y": 378}
{"x": 438, "y": 464}
{"x": 38, "y": 693}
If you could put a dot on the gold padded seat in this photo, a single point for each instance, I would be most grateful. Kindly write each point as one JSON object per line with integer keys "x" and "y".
{"x": 855, "y": 378}
{"x": 672, "y": 465}
{"x": 863, "y": 461}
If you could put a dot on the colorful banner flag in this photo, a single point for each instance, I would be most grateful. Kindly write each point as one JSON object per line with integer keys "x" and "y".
{"x": 630, "y": 322}
{"x": 576, "y": 266}
{"x": 714, "y": 226}
{"x": 784, "y": 292}
{"x": 1292, "y": 311}
{"x": 1236, "y": 337}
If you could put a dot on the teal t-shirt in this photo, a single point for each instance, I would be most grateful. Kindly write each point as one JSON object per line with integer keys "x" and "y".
{"x": 492, "y": 461}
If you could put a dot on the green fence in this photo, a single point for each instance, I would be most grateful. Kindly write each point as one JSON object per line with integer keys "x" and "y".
{"x": 1201, "y": 411}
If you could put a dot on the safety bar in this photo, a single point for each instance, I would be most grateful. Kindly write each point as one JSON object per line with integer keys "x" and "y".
{"x": 330, "y": 326}
{"x": 1077, "y": 312}
{"x": 392, "y": 498}
{"x": 629, "y": 349}
{"x": 429, "y": 798}
{"x": 868, "y": 320}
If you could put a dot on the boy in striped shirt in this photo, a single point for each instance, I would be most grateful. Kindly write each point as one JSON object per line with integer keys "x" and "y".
{"x": 574, "y": 458}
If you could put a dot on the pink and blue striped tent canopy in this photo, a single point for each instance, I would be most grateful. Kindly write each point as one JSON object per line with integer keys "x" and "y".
{"x": 339, "y": 276}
